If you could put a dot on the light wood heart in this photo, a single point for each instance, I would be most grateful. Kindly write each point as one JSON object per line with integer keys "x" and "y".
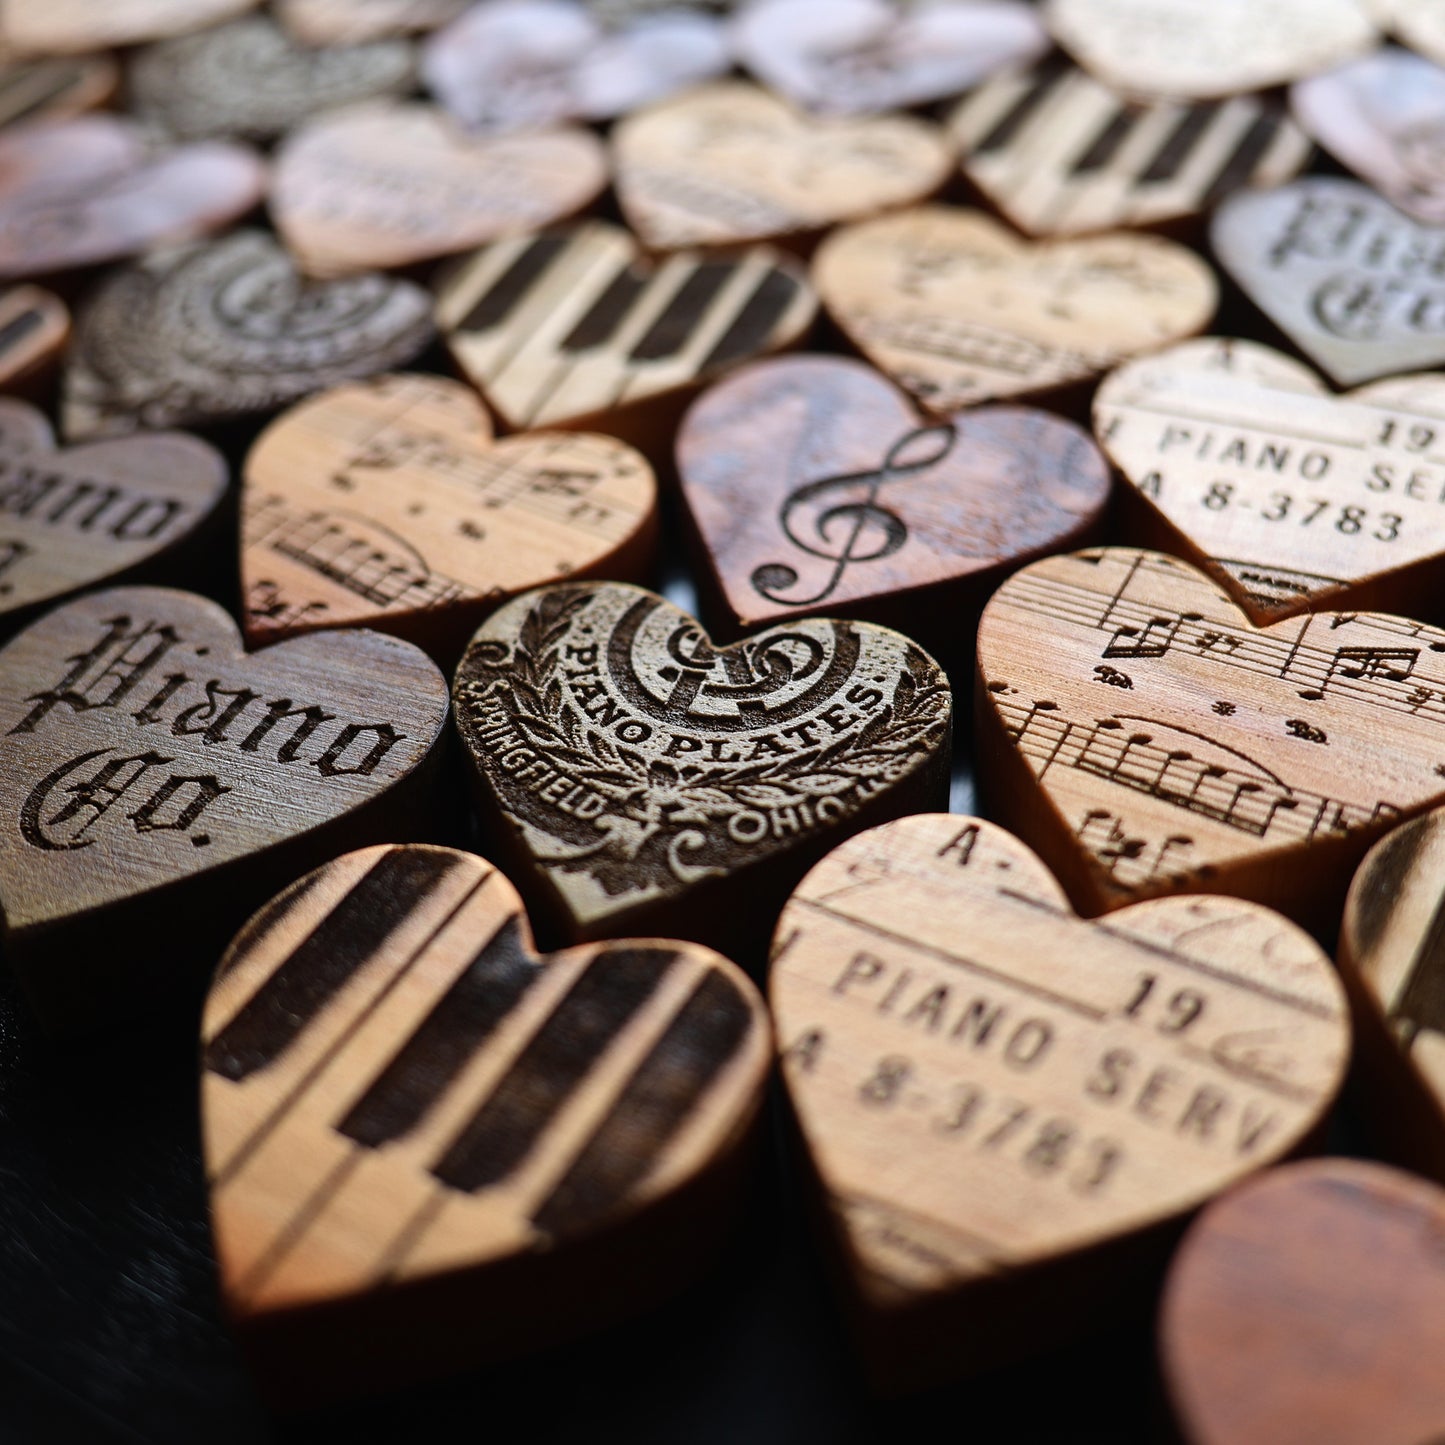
{"x": 1145, "y": 737}
{"x": 1338, "y": 270}
{"x": 67, "y": 26}
{"x": 388, "y": 185}
{"x": 34, "y": 330}
{"x": 730, "y": 162}
{"x": 1310, "y": 1305}
{"x": 70, "y": 519}
{"x": 640, "y": 779}
{"x": 573, "y": 328}
{"x": 353, "y": 22}
{"x": 1419, "y": 23}
{"x": 1003, "y": 1104}
{"x": 427, "y": 1144}
{"x": 873, "y": 55}
{"x": 1201, "y": 48}
{"x": 957, "y": 310}
{"x": 386, "y": 503}
{"x": 1289, "y": 495}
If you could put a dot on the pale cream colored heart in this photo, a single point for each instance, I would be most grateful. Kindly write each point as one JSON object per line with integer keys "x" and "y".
{"x": 63, "y": 26}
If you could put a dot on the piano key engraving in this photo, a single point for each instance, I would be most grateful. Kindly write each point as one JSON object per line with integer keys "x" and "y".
{"x": 55, "y": 88}
{"x": 34, "y": 328}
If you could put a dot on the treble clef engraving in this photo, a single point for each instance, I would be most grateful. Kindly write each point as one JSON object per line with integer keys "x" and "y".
{"x": 854, "y": 528}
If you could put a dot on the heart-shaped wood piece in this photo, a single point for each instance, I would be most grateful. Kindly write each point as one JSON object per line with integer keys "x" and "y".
{"x": 517, "y": 64}
{"x": 54, "y": 89}
{"x": 250, "y": 78}
{"x": 815, "y": 487}
{"x": 388, "y": 185}
{"x": 80, "y": 192}
{"x": 1061, "y": 154}
{"x": 730, "y": 162}
{"x": 873, "y": 55}
{"x": 1289, "y": 495}
{"x": 1202, "y": 48}
{"x": 100, "y": 513}
{"x": 1309, "y": 1304}
{"x": 643, "y": 780}
{"x": 386, "y": 503}
{"x": 572, "y": 327}
{"x": 1003, "y": 1103}
{"x": 228, "y": 328}
{"x": 34, "y": 328}
{"x": 426, "y": 1144}
{"x": 352, "y": 22}
{"x": 1338, "y": 270}
{"x": 956, "y": 309}
{"x": 1145, "y": 737}
{"x": 67, "y": 26}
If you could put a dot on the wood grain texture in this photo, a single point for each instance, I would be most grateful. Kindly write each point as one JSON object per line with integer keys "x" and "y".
{"x": 34, "y": 330}
{"x": 386, "y": 504}
{"x": 958, "y": 310}
{"x": 353, "y": 22}
{"x": 1061, "y": 154}
{"x": 1339, "y": 271}
{"x": 1004, "y": 1105}
{"x": 228, "y": 328}
{"x": 572, "y": 327}
{"x": 1309, "y": 1305}
{"x": 1144, "y": 737}
{"x": 427, "y": 1145}
{"x": 1293, "y": 498}
{"x": 729, "y": 162}
{"x": 388, "y": 185}
{"x": 55, "y": 89}
{"x": 65, "y": 27}
{"x": 639, "y": 779}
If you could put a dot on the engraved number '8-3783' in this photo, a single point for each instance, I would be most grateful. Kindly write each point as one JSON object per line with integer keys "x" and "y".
{"x": 1347, "y": 520}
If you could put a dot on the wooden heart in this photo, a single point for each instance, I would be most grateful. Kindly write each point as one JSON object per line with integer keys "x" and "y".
{"x": 144, "y": 751}
{"x": 956, "y": 309}
{"x": 642, "y": 779}
{"x": 227, "y": 328}
{"x": 64, "y": 26}
{"x": 1384, "y": 117}
{"x": 427, "y": 1144}
{"x": 1060, "y": 154}
{"x": 34, "y": 327}
{"x": 250, "y": 78}
{"x": 873, "y": 55}
{"x": 572, "y": 326}
{"x": 352, "y": 22}
{"x": 1139, "y": 732}
{"x": 1289, "y": 495}
{"x": 1310, "y": 1305}
{"x": 387, "y": 185}
{"x": 79, "y": 192}
{"x": 1338, "y": 270}
{"x": 515, "y": 64}
{"x": 1002, "y": 1103}
{"x": 99, "y": 513}
{"x": 54, "y": 89}
{"x": 815, "y": 487}
{"x": 1200, "y": 48}
{"x": 729, "y": 162}
{"x": 1419, "y": 23}
{"x": 386, "y": 503}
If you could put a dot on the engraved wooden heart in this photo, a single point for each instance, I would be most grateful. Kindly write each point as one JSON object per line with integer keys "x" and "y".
{"x": 573, "y": 327}
{"x": 64, "y": 26}
{"x": 228, "y": 328}
{"x": 1002, "y": 1102}
{"x": 1145, "y": 737}
{"x": 427, "y": 1144}
{"x": 730, "y": 162}
{"x": 56, "y": 87}
{"x": 143, "y": 749}
{"x": 387, "y": 185}
{"x": 641, "y": 777}
{"x": 956, "y": 309}
{"x": 386, "y": 503}
{"x": 1289, "y": 495}
{"x": 350, "y": 22}
{"x": 815, "y": 486}
{"x": 34, "y": 328}
{"x": 71, "y": 518}
{"x": 1340, "y": 272}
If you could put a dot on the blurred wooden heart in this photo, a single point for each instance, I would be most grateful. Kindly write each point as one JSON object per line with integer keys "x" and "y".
{"x": 388, "y": 185}
{"x": 54, "y": 88}
{"x": 1145, "y": 737}
{"x": 998, "y": 1096}
{"x": 815, "y": 486}
{"x": 386, "y": 503}
{"x": 1289, "y": 495}
{"x": 1419, "y": 23}
{"x": 956, "y": 309}
{"x": 412, "y": 1119}
{"x": 352, "y": 22}
{"x": 573, "y": 326}
{"x": 730, "y": 162}
{"x": 64, "y": 26}
{"x": 34, "y": 330}
{"x": 644, "y": 779}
